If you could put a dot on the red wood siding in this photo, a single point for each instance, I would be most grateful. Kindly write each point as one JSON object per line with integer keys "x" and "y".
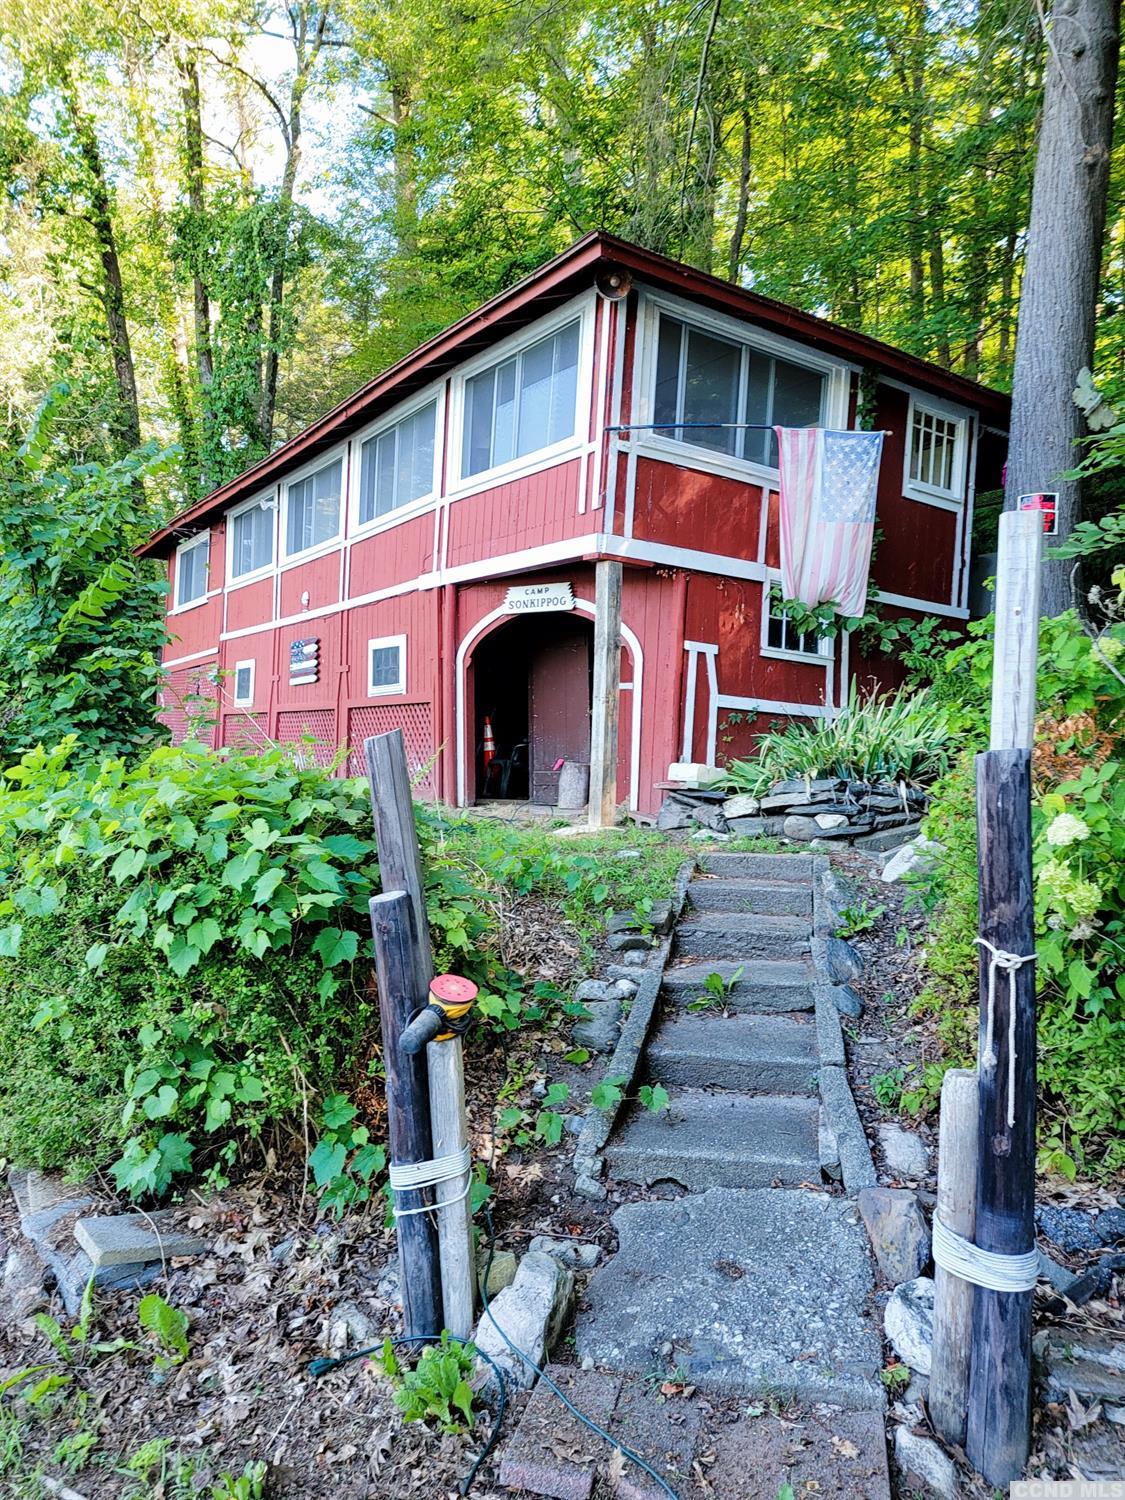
{"x": 684, "y": 507}
{"x": 524, "y": 513}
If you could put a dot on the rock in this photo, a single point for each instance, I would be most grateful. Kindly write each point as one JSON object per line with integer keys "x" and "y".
{"x": 844, "y": 963}
{"x": 796, "y": 827}
{"x": 501, "y": 1273}
{"x": 673, "y": 815}
{"x": 1059, "y": 1277}
{"x": 757, "y": 828}
{"x": 903, "y": 1152}
{"x": 134, "y": 1239}
{"x": 574, "y": 1123}
{"x": 927, "y": 1461}
{"x": 590, "y": 1187}
{"x": 628, "y": 854}
{"x": 740, "y": 806}
{"x": 624, "y": 921}
{"x": 710, "y": 817}
{"x": 22, "y": 1282}
{"x": 389, "y": 1285}
{"x": 1114, "y": 1414}
{"x": 622, "y": 989}
{"x": 46, "y": 1189}
{"x": 915, "y": 858}
{"x": 283, "y": 1250}
{"x": 592, "y": 989}
{"x": 629, "y": 942}
{"x": 918, "y": 1391}
{"x": 828, "y": 1148}
{"x": 848, "y": 1002}
{"x": 599, "y": 1030}
{"x": 572, "y": 1253}
{"x": 350, "y": 1325}
{"x": 897, "y": 1228}
{"x": 1092, "y": 1365}
{"x": 827, "y": 821}
{"x": 886, "y": 839}
{"x": 1093, "y": 1282}
{"x": 1109, "y": 1226}
{"x": 635, "y": 959}
{"x": 1067, "y": 1228}
{"x": 531, "y": 1312}
{"x": 909, "y": 1322}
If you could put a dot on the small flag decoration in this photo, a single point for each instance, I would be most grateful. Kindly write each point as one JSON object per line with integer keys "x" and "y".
{"x": 827, "y": 511}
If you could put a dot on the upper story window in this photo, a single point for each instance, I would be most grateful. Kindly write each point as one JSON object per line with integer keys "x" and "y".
{"x": 191, "y": 570}
{"x": 527, "y": 402}
{"x": 312, "y": 509}
{"x": 704, "y": 384}
{"x": 935, "y": 456}
{"x": 779, "y": 635}
{"x": 251, "y": 538}
{"x": 397, "y": 466}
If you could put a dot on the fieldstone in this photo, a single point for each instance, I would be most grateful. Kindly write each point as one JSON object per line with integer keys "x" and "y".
{"x": 624, "y": 921}
{"x": 350, "y": 1325}
{"x": 1067, "y": 1228}
{"x": 673, "y": 815}
{"x": 629, "y": 942}
{"x": 1114, "y": 1414}
{"x": 913, "y": 859}
{"x": 134, "y": 1239}
{"x": 710, "y": 817}
{"x": 389, "y": 1285}
{"x": 918, "y": 1391}
{"x": 628, "y": 854}
{"x": 888, "y": 838}
{"x": 828, "y": 1148}
{"x": 573, "y": 1253}
{"x": 823, "y": 786}
{"x": 909, "y": 1322}
{"x": 551, "y": 1452}
{"x": 592, "y": 989}
{"x": 500, "y": 1274}
{"x": 531, "y": 1312}
{"x": 574, "y": 1123}
{"x": 598, "y": 1031}
{"x": 635, "y": 959}
{"x": 758, "y": 828}
{"x": 622, "y": 989}
{"x": 797, "y": 827}
{"x": 590, "y": 1187}
{"x": 826, "y": 821}
{"x": 740, "y": 806}
{"x": 904, "y": 1153}
{"x": 1060, "y": 1278}
{"x": 897, "y": 1228}
{"x": 1109, "y": 1226}
{"x": 1092, "y": 1365}
{"x": 844, "y": 963}
{"x": 46, "y": 1189}
{"x": 926, "y": 1460}
{"x": 1093, "y": 1282}
{"x": 849, "y": 1002}
{"x": 22, "y": 1282}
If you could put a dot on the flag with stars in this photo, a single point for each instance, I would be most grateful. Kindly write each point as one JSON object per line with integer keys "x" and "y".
{"x": 827, "y": 512}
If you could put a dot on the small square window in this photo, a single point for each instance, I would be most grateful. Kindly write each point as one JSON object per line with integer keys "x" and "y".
{"x": 779, "y": 634}
{"x": 386, "y": 665}
{"x": 935, "y": 459}
{"x": 243, "y": 684}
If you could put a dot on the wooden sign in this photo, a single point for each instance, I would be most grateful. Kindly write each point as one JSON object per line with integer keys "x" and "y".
{"x": 1049, "y": 505}
{"x": 537, "y": 598}
{"x": 304, "y": 661}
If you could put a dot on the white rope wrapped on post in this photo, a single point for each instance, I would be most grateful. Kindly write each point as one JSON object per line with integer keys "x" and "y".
{"x": 415, "y": 1175}
{"x": 1010, "y": 964}
{"x": 987, "y": 1268}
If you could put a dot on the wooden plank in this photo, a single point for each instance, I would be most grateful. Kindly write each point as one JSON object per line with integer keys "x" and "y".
{"x": 455, "y": 1220}
{"x": 606, "y": 694}
{"x": 400, "y": 859}
{"x": 395, "y": 936}
{"x": 999, "y": 1423}
{"x": 953, "y": 1298}
{"x": 1016, "y": 649}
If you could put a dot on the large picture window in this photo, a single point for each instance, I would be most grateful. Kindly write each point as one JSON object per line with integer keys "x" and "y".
{"x": 397, "y": 466}
{"x": 251, "y": 532}
{"x": 706, "y": 384}
{"x": 526, "y": 403}
{"x": 312, "y": 511}
{"x": 191, "y": 570}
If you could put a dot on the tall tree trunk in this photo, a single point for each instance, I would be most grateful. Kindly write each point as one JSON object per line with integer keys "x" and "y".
{"x": 99, "y": 216}
{"x": 193, "y": 170}
{"x": 1055, "y": 330}
{"x": 937, "y": 290}
{"x": 742, "y": 208}
{"x": 405, "y": 169}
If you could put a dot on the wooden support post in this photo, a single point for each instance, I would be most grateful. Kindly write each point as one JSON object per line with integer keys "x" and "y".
{"x": 455, "y": 1221}
{"x": 1015, "y": 651}
{"x": 395, "y": 934}
{"x": 953, "y": 1298}
{"x": 606, "y": 695}
{"x": 396, "y": 838}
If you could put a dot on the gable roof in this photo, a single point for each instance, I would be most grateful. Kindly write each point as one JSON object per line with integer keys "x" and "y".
{"x": 554, "y": 282}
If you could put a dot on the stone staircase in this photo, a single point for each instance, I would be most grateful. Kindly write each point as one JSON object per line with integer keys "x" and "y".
{"x": 757, "y": 1279}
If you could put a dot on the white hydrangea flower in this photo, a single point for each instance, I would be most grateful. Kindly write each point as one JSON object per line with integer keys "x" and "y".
{"x": 1066, "y": 829}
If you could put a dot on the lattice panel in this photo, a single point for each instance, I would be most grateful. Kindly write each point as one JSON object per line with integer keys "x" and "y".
{"x": 416, "y": 722}
{"x": 188, "y": 699}
{"x": 313, "y": 731}
{"x": 245, "y": 731}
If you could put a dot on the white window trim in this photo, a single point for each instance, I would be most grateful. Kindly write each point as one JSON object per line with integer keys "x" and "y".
{"x": 689, "y": 455}
{"x": 248, "y": 701}
{"x": 381, "y": 642}
{"x": 826, "y": 645}
{"x": 356, "y": 528}
{"x": 179, "y": 605}
{"x": 338, "y": 454}
{"x": 267, "y": 500}
{"x": 926, "y": 494}
{"x": 579, "y": 308}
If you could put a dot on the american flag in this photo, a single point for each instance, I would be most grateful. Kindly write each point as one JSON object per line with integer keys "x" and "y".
{"x": 828, "y": 483}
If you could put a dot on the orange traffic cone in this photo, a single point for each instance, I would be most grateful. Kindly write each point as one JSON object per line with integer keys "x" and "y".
{"x": 489, "y": 747}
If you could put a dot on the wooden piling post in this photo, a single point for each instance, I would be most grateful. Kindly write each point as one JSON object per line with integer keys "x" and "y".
{"x": 953, "y": 1298}
{"x": 395, "y": 936}
{"x": 455, "y": 1212}
{"x": 606, "y": 694}
{"x": 396, "y": 838}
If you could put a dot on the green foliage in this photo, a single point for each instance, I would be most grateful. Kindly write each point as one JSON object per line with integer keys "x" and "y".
{"x": 346, "y": 1164}
{"x": 168, "y": 1325}
{"x": 437, "y": 1389}
{"x": 609, "y": 1093}
{"x": 249, "y": 1485}
{"x": 896, "y": 737}
{"x": 716, "y": 991}
{"x": 857, "y": 919}
{"x": 653, "y": 1097}
{"x": 81, "y": 620}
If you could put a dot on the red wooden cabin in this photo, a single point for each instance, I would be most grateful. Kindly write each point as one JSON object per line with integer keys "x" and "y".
{"x": 425, "y": 554}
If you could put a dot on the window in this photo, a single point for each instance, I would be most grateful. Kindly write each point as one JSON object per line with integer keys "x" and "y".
{"x": 703, "y": 379}
{"x": 191, "y": 570}
{"x": 251, "y": 534}
{"x": 527, "y": 403}
{"x": 397, "y": 466}
{"x": 312, "y": 509}
{"x": 935, "y": 462}
{"x": 779, "y": 635}
{"x": 243, "y": 684}
{"x": 386, "y": 665}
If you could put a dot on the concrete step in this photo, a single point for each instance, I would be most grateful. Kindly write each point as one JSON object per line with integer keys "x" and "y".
{"x": 742, "y": 935}
{"x": 765, "y": 984}
{"x": 707, "y": 1140}
{"x": 747, "y": 1052}
{"x": 777, "y": 898}
{"x": 759, "y": 866}
{"x": 756, "y": 1291}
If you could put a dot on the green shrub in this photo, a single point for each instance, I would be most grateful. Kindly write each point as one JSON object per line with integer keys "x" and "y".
{"x": 897, "y": 737}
